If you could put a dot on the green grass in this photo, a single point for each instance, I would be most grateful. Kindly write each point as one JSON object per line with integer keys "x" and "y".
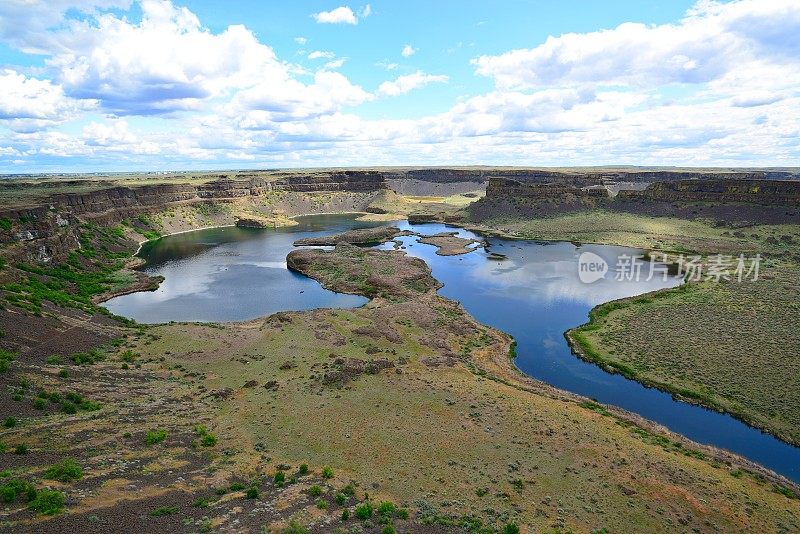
{"x": 729, "y": 346}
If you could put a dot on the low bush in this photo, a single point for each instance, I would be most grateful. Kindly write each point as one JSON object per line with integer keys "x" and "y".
{"x": 364, "y": 511}
{"x": 47, "y": 502}
{"x": 155, "y": 436}
{"x": 294, "y": 527}
{"x": 279, "y": 479}
{"x": 164, "y": 510}
{"x": 315, "y": 490}
{"x": 327, "y": 472}
{"x": 10, "y": 422}
{"x": 65, "y": 471}
{"x": 12, "y": 489}
{"x": 251, "y": 493}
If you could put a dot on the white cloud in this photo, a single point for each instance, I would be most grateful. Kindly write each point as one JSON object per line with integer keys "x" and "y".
{"x": 320, "y": 54}
{"x": 409, "y": 82}
{"x": 292, "y": 100}
{"x": 712, "y": 41}
{"x": 340, "y": 15}
{"x": 301, "y": 40}
{"x": 26, "y": 24}
{"x": 719, "y": 87}
{"x": 408, "y": 51}
{"x": 335, "y": 64}
{"x": 365, "y": 12}
{"x": 29, "y": 103}
{"x": 167, "y": 62}
{"x": 109, "y": 134}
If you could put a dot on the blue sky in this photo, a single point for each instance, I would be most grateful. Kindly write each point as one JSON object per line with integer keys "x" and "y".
{"x": 102, "y": 85}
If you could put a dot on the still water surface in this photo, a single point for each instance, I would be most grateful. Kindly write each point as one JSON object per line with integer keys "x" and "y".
{"x": 535, "y": 294}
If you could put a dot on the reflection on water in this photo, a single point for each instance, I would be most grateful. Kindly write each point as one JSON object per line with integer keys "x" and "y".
{"x": 232, "y": 274}
{"x": 534, "y": 294}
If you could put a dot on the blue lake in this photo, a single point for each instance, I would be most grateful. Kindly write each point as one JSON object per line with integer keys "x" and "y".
{"x": 534, "y": 294}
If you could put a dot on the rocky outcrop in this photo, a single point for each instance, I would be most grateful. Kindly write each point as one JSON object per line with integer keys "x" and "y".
{"x": 361, "y": 236}
{"x": 765, "y": 192}
{"x": 727, "y": 200}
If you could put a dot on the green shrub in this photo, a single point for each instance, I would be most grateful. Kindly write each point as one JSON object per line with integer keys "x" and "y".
{"x": 39, "y": 403}
{"x": 10, "y": 422}
{"x": 345, "y": 514}
{"x": 14, "y": 488}
{"x": 388, "y": 529}
{"x": 55, "y": 398}
{"x": 349, "y": 490}
{"x": 155, "y": 436}
{"x": 208, "y": 440}
{"x": 340, "y": 498}
{"x": 386, "y": 509}
{"x": 5, "y": 224}
{"x": 279, "y": 479}
{"x": 200, "y": 503}
{"x": 48, "y": 502}
{"x": 511, "y": 528}
{"x": 164, "y": 510}
{"x": 68, "y": 407}
{"x": 63, "y": 373}
{"x": 237, "y": 486}
{"x": 364, "y": 510}
{"x": 327, "y": 472}
{"x": 55, "y": 359}
{"x": 294, "y": 527}
{"x": 21, "y": 449}
{"x": 64, "y": 471}
{"x": 251, "y": 493}
{"x": 303, "y": 469}
{"x": 315, "y": 490}
{"x": 321, "y": 504}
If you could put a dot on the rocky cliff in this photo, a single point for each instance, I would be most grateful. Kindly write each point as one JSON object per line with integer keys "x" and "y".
{"x": 49, "y": 231}
{"x": 727, "y": 200}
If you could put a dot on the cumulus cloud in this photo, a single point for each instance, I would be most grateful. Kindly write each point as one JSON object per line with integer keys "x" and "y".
{"x": 301, "y": 40}
{"x": 408, "y": 51}
{"x": 28, "y": 103}
{"x": 340, "y": 15}
{"x": 321, "y": 54}
{"x": 409, "y": 82}
{"x": 26, "y": 24}
{"x": 224, "y": 97}
{"x": 712, "y": 41}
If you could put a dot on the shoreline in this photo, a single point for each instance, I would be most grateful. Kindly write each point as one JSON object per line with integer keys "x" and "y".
{"x": 614, "y": 367}
{"x": 512, "y": 376}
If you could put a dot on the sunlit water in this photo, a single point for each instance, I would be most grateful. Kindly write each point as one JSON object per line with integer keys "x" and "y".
{"x": 534, "y": 294}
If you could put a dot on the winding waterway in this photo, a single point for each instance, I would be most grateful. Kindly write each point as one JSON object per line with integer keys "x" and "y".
{"x": 534, "y": 294}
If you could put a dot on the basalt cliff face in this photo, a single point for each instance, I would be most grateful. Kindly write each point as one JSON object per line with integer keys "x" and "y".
{"x": 731, "y": 199}
{"x": 49, "y": 231}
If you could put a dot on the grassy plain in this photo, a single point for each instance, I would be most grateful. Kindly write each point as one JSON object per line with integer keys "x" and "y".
{"x": 440, "y": 434}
